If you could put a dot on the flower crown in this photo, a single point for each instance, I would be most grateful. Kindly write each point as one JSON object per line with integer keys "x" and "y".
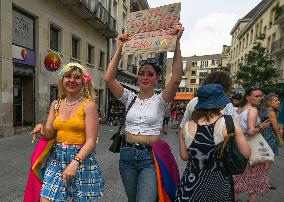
{"x": 68, "y": 67}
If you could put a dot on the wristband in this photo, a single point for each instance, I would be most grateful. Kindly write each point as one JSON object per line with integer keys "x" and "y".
{"x": 78, "y": 159}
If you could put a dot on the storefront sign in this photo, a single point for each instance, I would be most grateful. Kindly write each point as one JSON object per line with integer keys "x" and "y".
{"x": 22, "y": 30}
{"x": 152, "y": 30}
{"x": 52, "y": 61}
{"x": 23, "y": 56}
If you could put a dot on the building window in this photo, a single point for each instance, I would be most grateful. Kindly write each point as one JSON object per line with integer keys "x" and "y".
{"x": 251, "y": 35}
{"x": 102, "y": 60}
{"x": 75, "y": 47}
{"x": 193, "y": 73}
{"x": 202, "y": 74}
{"x": 91, "y": 54}
{"x": 53, "y": 93}
{"x": 264, "y": 29}
{"x": 192, "y": 80}
{"x": 184, "y": 65}
{"x": 204, "y": 63}
{"x": 187, "y": 90}
{"x": 268, "y": 45}
{"x": 55, "y": 38}
{"x": 191, "y": 90}
{"x": 183, "y": 73}
{"x": 194, "y": 63}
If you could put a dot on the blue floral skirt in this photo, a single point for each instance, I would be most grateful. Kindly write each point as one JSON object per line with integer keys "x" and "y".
{"x": 87, "y": 185}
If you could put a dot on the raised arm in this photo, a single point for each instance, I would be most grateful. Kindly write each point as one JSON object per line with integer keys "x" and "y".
{"x": 110, "y": 76}
{"x": 171, "y": 88}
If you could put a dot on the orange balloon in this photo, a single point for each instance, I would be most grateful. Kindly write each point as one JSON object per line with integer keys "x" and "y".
{"x": 52, "y": 61}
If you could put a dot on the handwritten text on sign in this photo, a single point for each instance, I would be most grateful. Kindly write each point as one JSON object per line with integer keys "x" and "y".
{"x": 152, "y": 30}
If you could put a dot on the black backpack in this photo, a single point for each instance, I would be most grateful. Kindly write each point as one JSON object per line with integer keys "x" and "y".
{"x": 227, "y": 153}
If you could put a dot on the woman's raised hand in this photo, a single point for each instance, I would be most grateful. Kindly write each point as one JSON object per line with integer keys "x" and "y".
{"x": 179, "y": 30}
{"x": 122, "y": 39}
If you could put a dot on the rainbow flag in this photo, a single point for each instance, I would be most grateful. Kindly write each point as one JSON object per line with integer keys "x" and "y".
{"x": 34, "y": 183}
{"x": 167, "y": 171}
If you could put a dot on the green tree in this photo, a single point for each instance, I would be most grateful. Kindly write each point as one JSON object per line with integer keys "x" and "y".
{"x": 257, "y": 69}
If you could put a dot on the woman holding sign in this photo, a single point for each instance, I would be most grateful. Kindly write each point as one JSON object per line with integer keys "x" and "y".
{"x": 143, "y": 121}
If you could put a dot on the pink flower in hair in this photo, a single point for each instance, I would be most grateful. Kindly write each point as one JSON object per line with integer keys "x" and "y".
{"x": 87, "y": 78}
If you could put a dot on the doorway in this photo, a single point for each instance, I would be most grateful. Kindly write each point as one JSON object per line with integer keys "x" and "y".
{"x": 23, "y": 102}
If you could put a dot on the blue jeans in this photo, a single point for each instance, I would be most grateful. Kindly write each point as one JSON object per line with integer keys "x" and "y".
{"x": 138, "y": 174}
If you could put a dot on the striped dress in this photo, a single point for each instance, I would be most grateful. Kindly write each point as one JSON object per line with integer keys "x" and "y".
{"x": 203, "y": 180}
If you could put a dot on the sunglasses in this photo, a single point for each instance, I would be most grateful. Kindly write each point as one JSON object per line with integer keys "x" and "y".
{"x": 151, "y": 61}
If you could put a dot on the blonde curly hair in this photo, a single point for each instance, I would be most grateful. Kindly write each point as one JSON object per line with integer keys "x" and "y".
{"x": 88, "y": 90}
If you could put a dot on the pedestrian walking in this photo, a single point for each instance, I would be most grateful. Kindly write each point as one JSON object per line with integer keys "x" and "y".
{"x": 166, "y": 120}
{"x": 236, "y": 98}
{"x": 254, "y": 180}
{"x": 222, "y": 78}
{"x": 272, "y": 134}
{"x": 143, "y": 121}
{"x": 203, "y": 179}
{"x": 72, "y": 171}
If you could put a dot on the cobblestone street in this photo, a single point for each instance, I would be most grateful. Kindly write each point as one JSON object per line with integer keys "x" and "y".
{"x": 15, "y": 158}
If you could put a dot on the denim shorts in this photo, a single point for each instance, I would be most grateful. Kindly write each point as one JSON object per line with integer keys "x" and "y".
{"x": 138, "y": 173}
{"x": 87, "y": 185}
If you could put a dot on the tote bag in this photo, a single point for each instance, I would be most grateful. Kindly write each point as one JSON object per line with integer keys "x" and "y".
{"x": 260, "y": 150}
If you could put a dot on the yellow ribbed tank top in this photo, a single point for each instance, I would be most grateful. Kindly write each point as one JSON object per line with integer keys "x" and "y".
{"x": 72, "y": 130}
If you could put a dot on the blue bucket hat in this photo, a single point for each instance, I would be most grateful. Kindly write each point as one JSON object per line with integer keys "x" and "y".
{"x": 211, "y": 96}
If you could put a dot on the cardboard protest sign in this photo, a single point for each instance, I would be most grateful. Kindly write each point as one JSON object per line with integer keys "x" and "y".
{"x": 151, "y": 30}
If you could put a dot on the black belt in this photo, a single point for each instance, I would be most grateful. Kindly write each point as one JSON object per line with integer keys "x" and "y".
{"x": 139, "y": 146}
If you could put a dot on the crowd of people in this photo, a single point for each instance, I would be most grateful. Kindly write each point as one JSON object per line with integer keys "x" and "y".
{"x": 72, "y": 172}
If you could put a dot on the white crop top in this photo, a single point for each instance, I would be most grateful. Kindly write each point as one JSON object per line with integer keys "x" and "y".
{"x": 145, "y": 117}
{"x": 218, "y": 133}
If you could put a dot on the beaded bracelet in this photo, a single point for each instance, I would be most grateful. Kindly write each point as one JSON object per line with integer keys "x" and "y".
{"x": 78, "y": 159}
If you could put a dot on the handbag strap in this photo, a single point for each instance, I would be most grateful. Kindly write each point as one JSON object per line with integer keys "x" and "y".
{"x": 230, "y": 126}
{"x": 124, "y": 116}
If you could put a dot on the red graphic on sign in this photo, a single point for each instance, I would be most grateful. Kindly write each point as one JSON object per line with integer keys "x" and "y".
{"x": 52, "y": 61}
{"x": 24, "y": 54}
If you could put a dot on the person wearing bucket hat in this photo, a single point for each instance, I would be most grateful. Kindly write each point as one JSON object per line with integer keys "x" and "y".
{"x": 203, "y": 178}
{"x": 72, "y": 171}
{"x": 211, "y": 96}
{"x": 222, "y": 78}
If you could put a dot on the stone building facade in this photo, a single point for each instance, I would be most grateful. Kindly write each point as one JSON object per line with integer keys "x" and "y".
{"x": 79, "y": 30}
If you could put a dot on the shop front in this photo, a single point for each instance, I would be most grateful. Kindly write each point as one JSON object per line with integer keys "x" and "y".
{"x": 24, "y": 62}
{"x": 23, "y": 92}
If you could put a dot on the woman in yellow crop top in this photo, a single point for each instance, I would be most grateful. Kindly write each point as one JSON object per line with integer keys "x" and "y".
{"x": 72, "y": 170}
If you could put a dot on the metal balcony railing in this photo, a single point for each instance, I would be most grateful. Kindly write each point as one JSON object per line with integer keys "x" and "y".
{"x": 132, "y": 69}
{"x": 277, "y": 46}
{"x": 95, "y": 14}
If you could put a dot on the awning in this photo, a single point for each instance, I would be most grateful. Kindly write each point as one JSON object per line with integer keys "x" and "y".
{"x": 132, "y": 87}
{"x": 183, "y": 96}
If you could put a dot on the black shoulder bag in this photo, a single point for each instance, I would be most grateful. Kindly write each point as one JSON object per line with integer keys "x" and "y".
{"x": 117, "y": 138}
{"x": 227, "y": 153}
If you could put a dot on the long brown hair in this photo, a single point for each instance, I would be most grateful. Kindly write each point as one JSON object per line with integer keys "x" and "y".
{"x": 207, "y": 114}
{"x": 268, "y": 99}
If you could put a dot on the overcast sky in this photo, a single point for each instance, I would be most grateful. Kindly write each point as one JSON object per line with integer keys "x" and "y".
{"x": 207, "y": 23}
